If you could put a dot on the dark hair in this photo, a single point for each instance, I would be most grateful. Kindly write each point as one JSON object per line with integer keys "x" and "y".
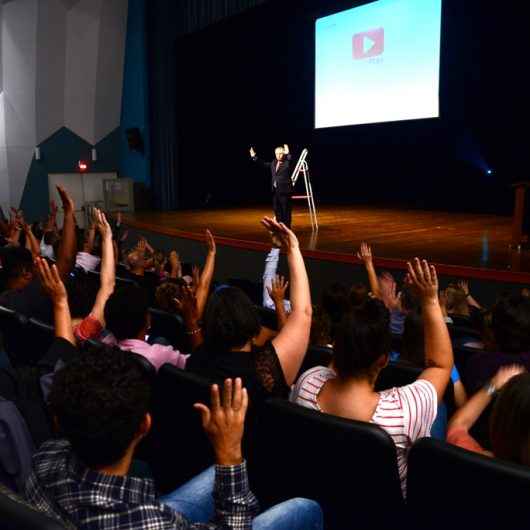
{"x": 16, "y": 261}
{"x": 320, "y": 334}
{"x": 358, "y": 294}
{"x": 511, "y": 324}
{"x": 166, "y": 292}
{"x": 126, "y": 311}
{"x": 230, "y": 321}
{"x": 510, "y": 421}
{"x": 413, "y": 340}
{"x": 82, "y": 289}
{"x": 362, "y": 338}
{"x": 409, "y": 302}
{"x": 336, "y": 302}
{"x": 99, "y": 400}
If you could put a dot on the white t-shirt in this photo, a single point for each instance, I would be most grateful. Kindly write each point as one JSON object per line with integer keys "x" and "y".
{"x": 405, "y": 413}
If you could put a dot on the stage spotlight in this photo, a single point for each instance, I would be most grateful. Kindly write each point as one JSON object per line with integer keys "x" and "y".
{"x": 489, "y": 172}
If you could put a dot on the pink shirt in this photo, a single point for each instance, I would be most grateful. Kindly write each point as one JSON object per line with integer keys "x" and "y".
{"x": 156, "y": 354}
{"x": 405, "y": 413}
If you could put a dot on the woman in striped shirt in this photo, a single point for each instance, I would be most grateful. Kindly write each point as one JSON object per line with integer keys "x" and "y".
{"x": 362, "y": 349}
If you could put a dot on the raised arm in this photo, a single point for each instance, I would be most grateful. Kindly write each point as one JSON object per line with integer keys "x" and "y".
{"x": 464, "y": 285}
{"x": 68, "y": 246}
{"x": 466, "y": 416}
{"x": 365, "y": 255}
{"x": 292, "y": 341}
{"x": 423, "y": 280}
{"x": 54, "y": 287}
{"x": 224, "y": 420}
{"x": 277, "y": 291}
{"x": 255, "y": 158}
{"x": 31, "y": 241}
{"x": 205, "y": 281}
{"x": 108, "y": 266}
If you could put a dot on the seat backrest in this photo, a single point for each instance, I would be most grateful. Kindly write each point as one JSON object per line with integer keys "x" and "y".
{"x": 177, "y": 447}
{"x": 349, "y": 467}
{"x": 315, "y": 356}
{"x": 16, "y": 514}
{"x": 474, "y": 491}
{"x": 16, "y": 447}
{"x": 169, "y": 326}
{"x": 13, "y": 327}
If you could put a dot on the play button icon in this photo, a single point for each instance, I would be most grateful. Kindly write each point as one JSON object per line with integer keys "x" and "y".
{"x": 368, "y": 44}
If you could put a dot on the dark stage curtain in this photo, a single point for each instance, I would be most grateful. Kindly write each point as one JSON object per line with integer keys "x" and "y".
{"x": 166, "y": 21}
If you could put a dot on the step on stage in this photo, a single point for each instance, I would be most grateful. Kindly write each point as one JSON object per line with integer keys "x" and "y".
{"x": 468, "y": 245}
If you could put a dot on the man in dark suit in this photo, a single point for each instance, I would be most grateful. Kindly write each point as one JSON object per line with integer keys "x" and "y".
{"x": 282, "y": 186}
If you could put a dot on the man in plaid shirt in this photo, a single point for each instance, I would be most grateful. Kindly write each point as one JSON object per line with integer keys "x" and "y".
{"x": 100, "y": 404}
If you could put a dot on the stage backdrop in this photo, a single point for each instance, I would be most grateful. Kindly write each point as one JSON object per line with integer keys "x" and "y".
{"x": 249, "y": 81}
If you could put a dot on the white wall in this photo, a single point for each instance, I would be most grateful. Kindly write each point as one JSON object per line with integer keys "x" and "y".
{"x": 61, "y": 64}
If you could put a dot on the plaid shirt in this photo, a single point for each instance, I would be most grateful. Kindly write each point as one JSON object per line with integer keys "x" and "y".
{"x": 66, "y": 490}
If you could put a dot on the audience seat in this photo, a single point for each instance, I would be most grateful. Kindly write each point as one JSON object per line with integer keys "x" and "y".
{"x": 459, "y": 333}
{"x": 16, "y": 514}
{"x": 315, "y": 356}
{"x": 449, "y": 487}
{"x": 349, "y": 467}
{"x": 177, "y": 448}
{"x": 170, "y": 326}
{"x": 13, "y": 327}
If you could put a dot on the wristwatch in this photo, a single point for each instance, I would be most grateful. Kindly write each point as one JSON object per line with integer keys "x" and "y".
{"x": 490, "y": 389}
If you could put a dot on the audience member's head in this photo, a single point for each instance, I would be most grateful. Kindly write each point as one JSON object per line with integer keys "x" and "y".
{"x": 126, "y": 312}
{"x": 456, "y": 301}
{"x": 336, "y": 302}
{"x": 167, "y": 292}
{"x": 17, "y": 267}
{"x": 136, "y": 261}
{"x": 510, "y": 421}
{"x": 320, "y": 334}
{"x": 100, "y": 404}
{"x": 358, "y": 294}
{"x": 413, "y": 340}
{"x": 230, "y": 320}
{"x": 362, "y": 342}
{"x": 511, "y": 324}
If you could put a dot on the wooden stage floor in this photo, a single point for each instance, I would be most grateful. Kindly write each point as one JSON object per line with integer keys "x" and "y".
{"x": 467, "y": 245}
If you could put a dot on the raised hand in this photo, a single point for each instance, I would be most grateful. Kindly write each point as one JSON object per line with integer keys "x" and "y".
{"x": 464, "y": 286}
{"x": 505, "y": 373}
{"x": 175, "y": 264}
{"x": 388, "y": 292}
{"x": 196, "y": 275}
{"x": 101, "y": 223}
{"x": 142, "y": 245}
{"x": 252, "y": 152}
{"x": 365, "y": 253}
{"x": 285, "y": 149}
{"x": 210, "y": 242}
{"x": 66, "y": 199}
{"x": 187, "y": 304}
{"x": 277, "y": 289}
{"x": 51, "y": 281}
{"x": 281, "y": 235}
{"x": 224, "y": 421}
{"x": 423, "y": 280}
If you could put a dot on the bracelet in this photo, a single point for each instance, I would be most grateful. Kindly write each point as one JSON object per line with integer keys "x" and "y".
{"x": 193, "y": 332}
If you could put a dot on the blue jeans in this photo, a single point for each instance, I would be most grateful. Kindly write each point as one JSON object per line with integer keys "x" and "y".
{"x": 194, "y": 500}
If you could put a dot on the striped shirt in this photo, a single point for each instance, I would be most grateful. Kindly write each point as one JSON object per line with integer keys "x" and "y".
{"x": 406, "y": 413}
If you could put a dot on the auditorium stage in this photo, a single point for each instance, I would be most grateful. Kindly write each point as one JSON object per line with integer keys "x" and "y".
{"x": 468, "y": 245}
